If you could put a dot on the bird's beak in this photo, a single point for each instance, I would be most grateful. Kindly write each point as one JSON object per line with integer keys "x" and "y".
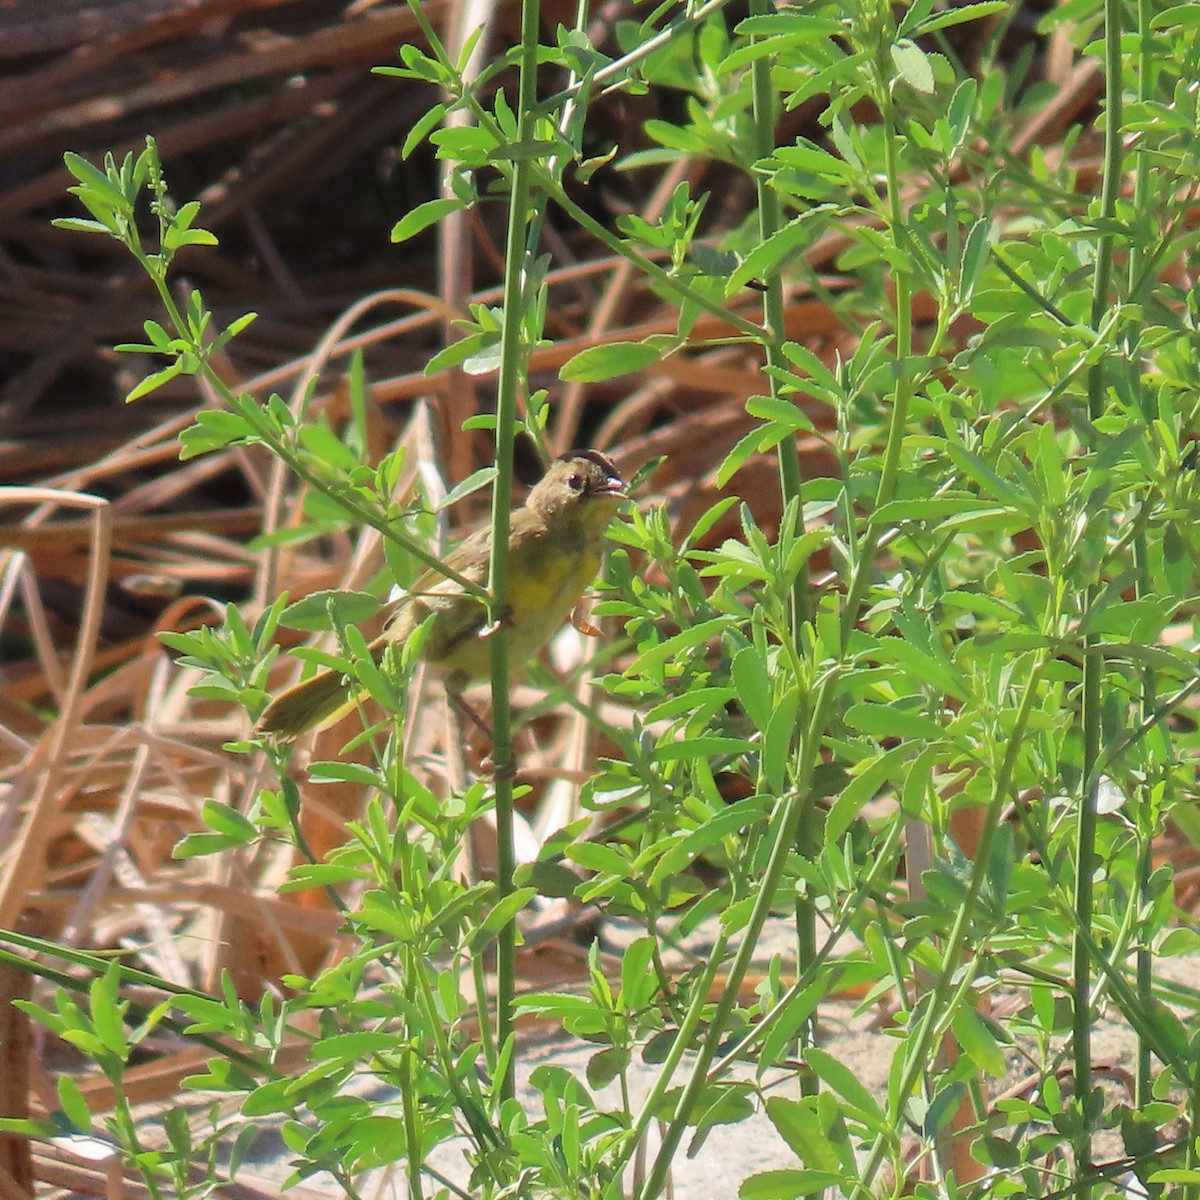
{"x": 615, "y": 487}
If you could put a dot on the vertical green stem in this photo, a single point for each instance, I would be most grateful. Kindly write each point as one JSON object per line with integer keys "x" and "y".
{"x": 902, "y": 397}
{"x": 770, "y": 220}
{"x": 511, "y": 373}
{"x": 1147, "y": 819}
{"x": 953, "y": 980}
{"x": 1093, "y": 667}
{"x": 784, "y": 826}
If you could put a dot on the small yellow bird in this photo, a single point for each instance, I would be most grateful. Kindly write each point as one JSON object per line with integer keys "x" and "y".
{"x": 555, "y": 543}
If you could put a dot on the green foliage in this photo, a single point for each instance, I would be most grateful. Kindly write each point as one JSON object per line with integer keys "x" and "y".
{"x": 1006, "y": 536}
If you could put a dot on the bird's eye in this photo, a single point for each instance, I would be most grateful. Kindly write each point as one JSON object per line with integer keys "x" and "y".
{"x": 574, "y": 481}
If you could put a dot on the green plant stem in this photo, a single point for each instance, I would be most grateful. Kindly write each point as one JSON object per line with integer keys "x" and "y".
{"x": 783, "y": 828}
{"x": 1192, "y": 1156}
{"x": 1145, "y": 1022}
{"x": 618, "y": 70}
{"x": 770, "y": 221}
{"x": 955, "y": 977}
{"x": 1146, "y": 810}
{"x": 512, "y": 371}
{"x": 545, "y": 180}
{"x": 688, "y": 1028}
{"x": 96, "y": 964}
{"x": 434, "y": 1022}
{"x": 882, "y": 870}
{"x": 1093, "y": 665}
{"x": 791, "y": 487}
{"x": 672, "y": 283}
{"x": 412, "y": 1134}
{"x": 157, "y": 271}
{"x": 886, "y": 489}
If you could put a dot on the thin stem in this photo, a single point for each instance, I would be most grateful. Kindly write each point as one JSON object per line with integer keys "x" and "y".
{"x": 770, "y": 220}
{"x": 545, "y": 180}
{"x": 1146, "y": 810}
{"x": 512, "y": 369}
{"x": 784, "y": 828}
{"x": 1093, "y": 665}
{"x": 689, "y": 1025}
{"x": 882, "y": 871}
{"x": 902, "y": 397}
{"x": 672, "y": 283}
{"x": 955, "y": 977}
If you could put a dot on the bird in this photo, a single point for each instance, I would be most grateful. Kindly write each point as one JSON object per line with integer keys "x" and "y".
{"x": 555, "y": 544}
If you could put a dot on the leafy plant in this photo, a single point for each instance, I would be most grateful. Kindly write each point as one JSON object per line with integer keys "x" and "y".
{"x": 970, "y": 612}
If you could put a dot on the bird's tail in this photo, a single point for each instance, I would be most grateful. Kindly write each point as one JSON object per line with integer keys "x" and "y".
{"x": 310, "y": 704}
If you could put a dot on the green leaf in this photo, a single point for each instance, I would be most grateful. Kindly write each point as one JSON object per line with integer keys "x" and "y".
{"x": 768, "y": 257}
{"x": 976, "y": 250}
{"x": 106, "y": 1012}
{"x": 978, "y": 1041}
{"x": 845, "y": 1083}
{"x": 810, "y": 363}
{"x": 423, "y": 127}
{"x": 730, "y": 822}
{"x": 73, "y": 1104}
{"x": 422, "y": 217}
{"x": 473, "y": 482}
{"x": 931, "y": 509}
{"x": 673, "y": 647}
{"x": 704, "y": 522}
{"x": 1181, "y": 16}
{"x": 638, "y": 979}
{"x": 177, "y": 239}
{"x": 598, "y": 363}
{"x": 711, "y": 746}
{"x": 349, "y": 1047}
{"x": 810, "y": 158}
{"x": 890, "y": 721}
{"x": 872, "y": 774}
{"x": 757, "y": 441}
{"x": 548, "y": 879}
{"x": 773, "y": 38}
{"x": 605, "y": 1065}
{"x": 960, "y": 14}
{"x": 780, "y": 411}
{"x": 33, "y": 1129}
{"x": 913, "y": 66}
{"x": 220, "y": 818}
{"x": 749, "y": 674}
{"x": 153, "y": 382}
{"x": 1178, "y": 941}
{"x": 786, "y": 1184}
{"x": 197, "y": 845}
{"x": 318, "y": 610}
{"x": 322, "y": 875}
{"x": 941, "y": 1110}
{"x": 780, "y": 738}
{"x": 232, "y": 330}
{"x": 815, "y": 1130}
{"x": 80, "y": 225}
{"x": 269, "y": 1098}
{"x": 502, "y": 912}
{"x": 94, "y": 180}
{"x": 336, "y": 771}
{"x": 597, "y": 857}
